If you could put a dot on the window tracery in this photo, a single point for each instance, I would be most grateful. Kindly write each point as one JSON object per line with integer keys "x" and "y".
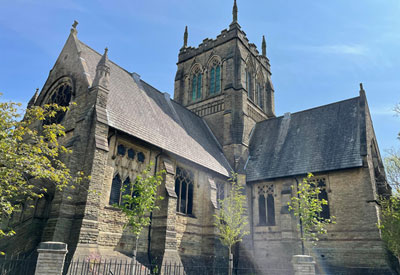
{"x": 323, "y": 195}
{"x": 61, "y": 95}
{"x": 266, "y": 205}
{"x": 215, "y": 76}
{"x": 184, "y": 191}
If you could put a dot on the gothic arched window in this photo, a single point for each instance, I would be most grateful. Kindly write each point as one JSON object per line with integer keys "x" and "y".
{"x": 119, "y": 189}
{"x": 266, "y": 205}
{"x": 215, "y": 79}
{"x": 196, "y": 86}
{"x": 61, "y": 95}
{"x": 323, "y": 195}
{"x": 249, "y": 85}
{"x": 184, "y": 191}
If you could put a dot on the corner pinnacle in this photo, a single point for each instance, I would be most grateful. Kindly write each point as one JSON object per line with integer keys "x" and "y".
{"x": 185, "y": 37}
{"x": 264, "y": 47}
{"x": 235, "y": 12}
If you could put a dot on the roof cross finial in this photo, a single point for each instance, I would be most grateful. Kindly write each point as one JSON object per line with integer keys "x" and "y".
{"x": 185, "y": 37}
{"x": 235, "y": 12}
{"x": 264, "y": 47}
{"x": 73, "y": 30}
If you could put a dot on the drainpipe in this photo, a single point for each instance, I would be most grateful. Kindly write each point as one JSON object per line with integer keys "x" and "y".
{"x": 151, "y": 216}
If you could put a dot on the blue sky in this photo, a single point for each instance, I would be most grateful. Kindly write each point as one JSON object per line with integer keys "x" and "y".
{"x": 319, "y": 50}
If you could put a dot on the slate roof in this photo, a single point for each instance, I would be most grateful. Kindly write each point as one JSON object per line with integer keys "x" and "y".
{"x": 140, "y": 110}
{"x": 315, "y": 140}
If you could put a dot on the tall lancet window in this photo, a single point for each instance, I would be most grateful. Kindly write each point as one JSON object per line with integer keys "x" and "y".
{"x": 119, "y": 189}
{"x": 215, "y": 79}
{"x": 266, "y": 205}
{"x": 184, "y": 191}
{"x": 323, "y": 196}
{"x": 196, "y": 85}
{"x": 249, "y": 85}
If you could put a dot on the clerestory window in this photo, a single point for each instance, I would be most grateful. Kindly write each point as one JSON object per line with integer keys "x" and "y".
{"x": 184, "y": 191}
{"x": 215, "y": 80}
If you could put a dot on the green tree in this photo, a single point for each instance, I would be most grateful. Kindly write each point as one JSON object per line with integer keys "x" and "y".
{"x": 29, "y": 154}
{"x": 231, "y": 218}
{"x": 307, "y": 206}
{"x": 140, "y": 201}
{"x": 390, "y": 223}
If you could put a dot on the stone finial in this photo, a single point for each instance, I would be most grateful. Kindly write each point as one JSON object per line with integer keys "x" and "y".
{"x": 235, "y": 12}
{"x": 73, "y": 30}
{"x": 185, "y": 37}
{"x": 361, "y": 87}
{"x": 264, "y": 47}
{"x": 102, "y": 77}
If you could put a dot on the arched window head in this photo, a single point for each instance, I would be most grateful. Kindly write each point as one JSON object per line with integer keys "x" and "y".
{"x": 196, "y": 79}
{"x": 266, "y": 205}
{"x": 215, "y": 76}
{"x": 184, "y": 191}
{"x": 60, "y": 94}
{"x": 120, "y": 189}
{"x": 249, "y": 85}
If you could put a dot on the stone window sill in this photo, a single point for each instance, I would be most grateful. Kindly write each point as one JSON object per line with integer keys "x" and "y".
{"x": 186, "y": 215}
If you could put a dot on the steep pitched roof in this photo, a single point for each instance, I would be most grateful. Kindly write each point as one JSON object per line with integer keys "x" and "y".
{"x": 315, "y": 140}
{"x": 140, "y": 110}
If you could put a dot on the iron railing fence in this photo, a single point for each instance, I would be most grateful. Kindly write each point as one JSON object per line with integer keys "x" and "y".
{"x": 126, "y": 267}
{"x": 17, "y": 265}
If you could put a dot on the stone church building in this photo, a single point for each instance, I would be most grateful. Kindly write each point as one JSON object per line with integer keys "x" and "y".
{"x": 222, "y": 119}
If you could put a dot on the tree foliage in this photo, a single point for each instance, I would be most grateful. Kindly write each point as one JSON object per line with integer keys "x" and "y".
{"x": 307, "y": 206}
{"x": 141, "y": 200}
{"x": 232, "y": 217}
{"x": 392, "y": 167}
{"x": 29, "y": 153}
{"x": 390, "y": 223}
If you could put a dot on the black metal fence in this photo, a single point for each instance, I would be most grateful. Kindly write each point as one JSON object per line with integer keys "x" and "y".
{"x": 17, "y": 265}
{"x": 126, "y": 267}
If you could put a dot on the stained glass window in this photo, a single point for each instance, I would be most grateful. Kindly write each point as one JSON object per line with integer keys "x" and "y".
{"x": 199, "y": 86}
{"x": 215, "y": 80}
{"x": 218, "y": 79}
{"x": 194, "y": 87}
{"x": 212, "y": 81}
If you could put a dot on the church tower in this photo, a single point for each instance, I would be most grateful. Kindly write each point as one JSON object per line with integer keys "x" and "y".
{"x": 227, "y": 82}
